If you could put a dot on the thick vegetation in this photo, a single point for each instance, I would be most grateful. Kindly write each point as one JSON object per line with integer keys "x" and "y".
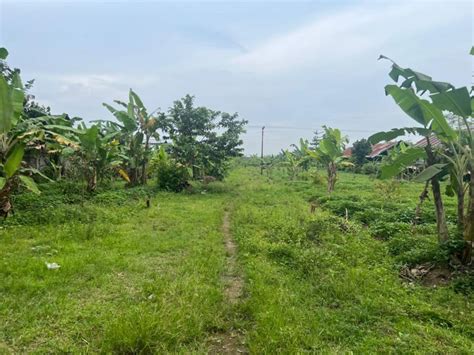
{"x": 34, "y": 142}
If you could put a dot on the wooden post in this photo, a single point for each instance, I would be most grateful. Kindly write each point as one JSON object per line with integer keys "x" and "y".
{"x": 261, "y": 153}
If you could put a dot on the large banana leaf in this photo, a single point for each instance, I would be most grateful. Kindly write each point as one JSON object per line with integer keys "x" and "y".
{"x": 128, "y": 121}
{"x": 406, "y": 73}
{"x": 14, "y": 160}
{"x": 457, "y": 101}
{"x": 402, "y": 161}
{"x": 430, "y": 172}
{"x": 420, "y": 110}
{"x": 6, "y": 106}
{"x": 17, "y": 97}
{"x": 328, "y": 147}
{"x": 29, "y": 184}
{"x": 397, "y": 132}
{"x": 89, "y": 138}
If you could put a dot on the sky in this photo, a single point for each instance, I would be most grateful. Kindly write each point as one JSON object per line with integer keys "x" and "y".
{"x": 290, "y": 66}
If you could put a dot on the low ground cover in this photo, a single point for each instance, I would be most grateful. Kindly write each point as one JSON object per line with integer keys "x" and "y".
{"x": 137, "y": 279}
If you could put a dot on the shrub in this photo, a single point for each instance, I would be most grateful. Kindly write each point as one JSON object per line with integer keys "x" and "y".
{"x": 413, "y": 250}
{"x": 464, "y": 284}
{"x": 170, "y": 175}
{"x": 370, "y": 168}
{"x": 323, "y": 224}
{"x": 387, "y": 230}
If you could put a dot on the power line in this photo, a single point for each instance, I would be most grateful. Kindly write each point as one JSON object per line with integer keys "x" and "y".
{"x": 307, "y": 128}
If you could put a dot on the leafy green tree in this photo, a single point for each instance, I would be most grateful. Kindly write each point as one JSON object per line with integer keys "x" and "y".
{"x": 317, "y": 135}
{"x": 360, "y": 149}
{"x": 329, "y": 154}
{"x": 203, "y": 139}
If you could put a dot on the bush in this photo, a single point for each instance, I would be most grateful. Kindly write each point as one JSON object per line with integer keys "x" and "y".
{"x": 387, "y": 230}
{"x": 464, "y": 284}
{"x": 414, "y": 250}
{"x": 370, "y": 168}
{"x": 170, "y": 175}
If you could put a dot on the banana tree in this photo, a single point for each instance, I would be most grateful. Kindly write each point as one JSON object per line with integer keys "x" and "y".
{"x": 329, "y": 154}
{"x": 99, "y": 154}
{"x": 98, "y": 150}
{"x": 456, "y": 161}
{"x": 138, "y": 128}
{"x": 301, "y": 152}
{"x": 13, "y": 141}
{"x": 292, "y": 163}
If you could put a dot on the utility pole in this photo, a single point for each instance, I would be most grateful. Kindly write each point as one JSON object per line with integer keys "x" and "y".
{"x": 261, "y": 153}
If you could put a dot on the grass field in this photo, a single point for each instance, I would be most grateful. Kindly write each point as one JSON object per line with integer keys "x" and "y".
{"x": 138, "y": 280}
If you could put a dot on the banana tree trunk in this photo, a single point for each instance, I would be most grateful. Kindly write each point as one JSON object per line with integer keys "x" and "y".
{"x": 92, "y": 180}
{"x": 441, "y": 225}
{"x": 468, "y": 226}
{"x": 5, "y": 197}
{"x": 145, "y": 160}
{"x": 460, "y": 203}
{"x": 332, "y": 176}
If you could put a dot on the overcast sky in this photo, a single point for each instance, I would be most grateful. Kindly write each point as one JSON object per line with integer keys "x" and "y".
{"x": 296, "y": 65}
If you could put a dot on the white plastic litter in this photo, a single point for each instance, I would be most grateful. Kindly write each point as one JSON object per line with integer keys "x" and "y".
{"x": 52, "y": 266}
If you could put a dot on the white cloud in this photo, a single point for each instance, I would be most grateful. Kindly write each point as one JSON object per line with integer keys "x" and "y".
{"x": 323, "y": 71}
{"x": 344, "y": 36}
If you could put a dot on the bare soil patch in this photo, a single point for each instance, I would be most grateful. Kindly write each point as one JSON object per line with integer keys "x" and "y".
{"x": 231, "y": 341}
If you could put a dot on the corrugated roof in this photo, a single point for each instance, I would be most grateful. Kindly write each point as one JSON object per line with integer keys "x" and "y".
{"x": 434, "y": 141}
{"x": 347, "y": 152}
{"x": 379, "y": 148}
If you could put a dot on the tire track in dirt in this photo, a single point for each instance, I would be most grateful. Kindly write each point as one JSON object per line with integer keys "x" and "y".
{"x": 230, "y": 341}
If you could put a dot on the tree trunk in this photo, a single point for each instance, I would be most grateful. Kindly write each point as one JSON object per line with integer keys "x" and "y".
{"x": 422, "y": 198}
{"x": 441, "y": 225}
{"x": 195, "y": 172}
{"x": 92, "y": 180}
{"x": 332, "y": 176}
{"x": 468, "y": 226}
{"x": 145, "y": 160}
{"x": 5, "y": 194}
{"x": 460, "y": 203}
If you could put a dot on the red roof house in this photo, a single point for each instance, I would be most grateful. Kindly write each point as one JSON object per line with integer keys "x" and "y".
{"x": 381, "y": 149}
{"x": 434, "y": 141}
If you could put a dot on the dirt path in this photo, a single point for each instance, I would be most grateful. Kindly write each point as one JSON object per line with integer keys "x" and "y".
{"x": 231, "y": 341}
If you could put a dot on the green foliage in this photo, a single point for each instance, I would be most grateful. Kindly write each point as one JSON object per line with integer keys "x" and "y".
{"x": 401, "y": 161}
{"x": 387, "y": 230}
{"x": 329, "y": 154}
{"x": 170, "y": 175}
{"x": 360, "y": 149}
{"x": 202, "y": 139}
{"x": 460, "y": 159}
{"x": 370, "y": 168}
{"x": 296, "y": 261}
{"x": 137, "y": 127}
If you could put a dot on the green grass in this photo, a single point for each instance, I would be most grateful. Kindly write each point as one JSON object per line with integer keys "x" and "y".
{"x": 317, "y": 284}
{"x": 137, "y": 280}
{"x": 132, "y": 280}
